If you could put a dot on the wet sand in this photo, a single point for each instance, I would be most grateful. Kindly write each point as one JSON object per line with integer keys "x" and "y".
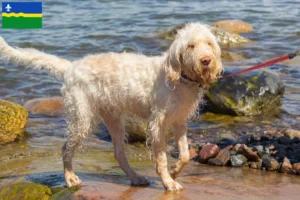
{"x": 103, "y": 179}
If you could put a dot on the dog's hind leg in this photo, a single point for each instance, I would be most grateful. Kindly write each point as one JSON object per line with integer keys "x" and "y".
{"x": 80, "y": 125}
{"x": 184, "y": 155}
{"x": 117, "y": 131}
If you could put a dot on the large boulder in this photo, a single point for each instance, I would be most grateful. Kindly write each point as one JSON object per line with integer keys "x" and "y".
{"x": 25, "y": 190}
{"x": 234, "y": 26}
{"x": 13, "y": 120}
{"x": 225, "y": 38}
{"x": 253, "y": 93}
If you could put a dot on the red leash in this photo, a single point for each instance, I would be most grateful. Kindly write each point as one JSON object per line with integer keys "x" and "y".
{"x": 265, "y": 64}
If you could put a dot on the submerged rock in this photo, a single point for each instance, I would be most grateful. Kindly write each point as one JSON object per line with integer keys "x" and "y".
{"x": 234, "y": 26}
{"x": 25, "y": 191}
{"x": 221, "y": 159}
{"x": 13, "y": 120}
{"x": 45, "y": 106}
{"x": 253, "y": 93}
{"x": 224, "y": 38}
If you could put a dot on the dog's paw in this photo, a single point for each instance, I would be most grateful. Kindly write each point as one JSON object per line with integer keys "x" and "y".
{"x": 139, "y": 181}
{"x": 173, "y": 173}
{"x": 71, "y": 179}
{"x": 173, "y": 186}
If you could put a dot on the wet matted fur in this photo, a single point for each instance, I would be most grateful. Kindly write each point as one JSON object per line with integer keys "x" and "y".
{"x": 164, "y": 90}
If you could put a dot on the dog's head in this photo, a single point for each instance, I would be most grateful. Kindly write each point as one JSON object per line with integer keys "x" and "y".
{"x": 195, "y": 53}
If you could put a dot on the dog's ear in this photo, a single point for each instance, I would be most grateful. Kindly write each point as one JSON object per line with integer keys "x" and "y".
{"x": 173, "y": 62}
{"x": 217, "y": 52}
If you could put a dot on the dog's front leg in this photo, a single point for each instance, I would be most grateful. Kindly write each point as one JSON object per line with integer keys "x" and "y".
{"x": 157, "y": 130}
{"x": 184, "y": 155}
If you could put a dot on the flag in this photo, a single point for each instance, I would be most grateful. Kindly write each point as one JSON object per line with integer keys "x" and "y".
{"x": 22, "y": 15}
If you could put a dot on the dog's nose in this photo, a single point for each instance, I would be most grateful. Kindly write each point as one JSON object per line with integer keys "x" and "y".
{"x": 205, "y": 60}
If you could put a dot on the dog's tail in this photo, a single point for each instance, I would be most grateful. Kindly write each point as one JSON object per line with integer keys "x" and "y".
{"x": 33, "y": 58}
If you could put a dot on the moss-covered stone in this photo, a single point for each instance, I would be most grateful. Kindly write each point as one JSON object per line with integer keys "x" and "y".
{"x": 13, "y": 120}
{"x": 252, "y": 93}
{"x": 24, "y": 190}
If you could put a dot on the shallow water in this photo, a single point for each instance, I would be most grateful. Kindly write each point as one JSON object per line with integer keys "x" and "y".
{"x": 73, "y": 29}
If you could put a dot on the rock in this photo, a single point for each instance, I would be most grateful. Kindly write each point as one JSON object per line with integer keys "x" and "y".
{"x": 13, "y": 120}
{"x": 249, "y": 154}
{"x": 244, "y": 139}
{"x": 227, "y": 39}
{"x": 230, "y": 56}
{"x": 253, "y": 165}
{"x": 136, "y": 129}
{"x": 236, "y": 147}
{"x": 286, "y": 165}
{"x": 224, "y": 38}
{"x": 25, "y": 191}
{"x": 208, "y": 151}
{"x": 270, "y": 163}
{"x": 296, "y": 140}
{"x": 215, "y": 162}
{"x": 284, "y": 140}
{"x": 46, "y": 106}
{"x": 296, "y": 167}
{"x": 223, "y": 157}
{"x": 234, "y": 26}
{"x": 291, "y": 133}
{"x": 260, "y": 150}
{"x": 238, "y": 160}
{"x": 193, "y": 153}
{"x": 252, "y": 93}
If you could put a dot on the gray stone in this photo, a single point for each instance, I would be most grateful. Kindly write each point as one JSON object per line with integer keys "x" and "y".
{"x": 238, "y": 160}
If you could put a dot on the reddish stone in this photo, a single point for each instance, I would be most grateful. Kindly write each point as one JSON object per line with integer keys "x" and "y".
{"x": 286, "y": 165}
{"x": 207, "y": 152}
{"x": 193, "y": 153}
{"x": 249, "y": 154}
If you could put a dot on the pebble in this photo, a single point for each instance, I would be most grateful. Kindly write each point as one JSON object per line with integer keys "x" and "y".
{"x": 291, "y": 133}
{"x": 238, "y": 160}
{"x": 249, "y": 154}
{"x": 270, "y": 163}
{"x": 284, "y": 140}
{"x": 286, "y": 165}
{"x": 208, "y": 151}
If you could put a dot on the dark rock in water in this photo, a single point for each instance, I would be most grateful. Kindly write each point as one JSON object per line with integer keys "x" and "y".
{"x": 226, "y": 142}
{"x": 249, "y": 154}
{"x": 215, "y": 162}
{"x": 25, "y": 190}
{"x": 284, "y": 140}
{"x": 296, "y": 140}
{"x": 270, "y": 163}
{"x": 253, "y": 93}
{"x": 238, "y": 160}
{"x": 244, "y": 139}
{"x": 207, "y": 152}
{"x": 285, "y": 166}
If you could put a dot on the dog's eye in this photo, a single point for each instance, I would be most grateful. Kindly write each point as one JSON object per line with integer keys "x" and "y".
{"x": 191, "y": 46}
{"x": 209, "y": 43}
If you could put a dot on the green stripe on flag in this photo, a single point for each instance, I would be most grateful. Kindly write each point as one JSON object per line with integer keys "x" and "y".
{"x": 22, "y": 22}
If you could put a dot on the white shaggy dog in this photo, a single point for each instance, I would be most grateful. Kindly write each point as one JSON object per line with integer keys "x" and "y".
{"x": 165, "y": 90}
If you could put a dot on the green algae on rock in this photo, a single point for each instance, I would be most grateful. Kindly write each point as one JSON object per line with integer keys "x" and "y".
{"x": 13, "y": 120}
{"x": 252, "y": 93}
{"x": 25, "y": 190}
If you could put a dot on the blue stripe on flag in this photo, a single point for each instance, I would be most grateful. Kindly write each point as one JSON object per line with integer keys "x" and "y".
{"x": 25, "y": 7}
